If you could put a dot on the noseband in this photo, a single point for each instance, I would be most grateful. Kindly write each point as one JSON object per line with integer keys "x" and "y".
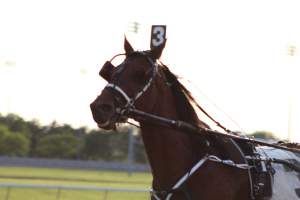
{"x": 131, "y": 100}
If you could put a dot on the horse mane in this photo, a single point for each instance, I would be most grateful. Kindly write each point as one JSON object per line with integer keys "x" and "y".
{"x": 183, "y": 98}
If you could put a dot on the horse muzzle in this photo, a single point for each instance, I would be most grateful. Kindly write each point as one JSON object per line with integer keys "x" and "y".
{"x": 106, "y": 116}
{"x": 103, "y": 114}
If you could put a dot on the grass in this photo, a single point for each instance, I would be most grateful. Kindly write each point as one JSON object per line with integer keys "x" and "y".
{"x": 71, "y": 177}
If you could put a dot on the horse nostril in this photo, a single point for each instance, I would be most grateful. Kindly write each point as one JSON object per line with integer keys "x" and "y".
{"x": 106, "y": 108}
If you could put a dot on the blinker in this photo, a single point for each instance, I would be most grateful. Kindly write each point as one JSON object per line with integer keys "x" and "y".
{"x": 106, "y": 70}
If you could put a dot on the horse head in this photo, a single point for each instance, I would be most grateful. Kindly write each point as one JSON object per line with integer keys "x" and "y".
{"x": 130, "y": 84}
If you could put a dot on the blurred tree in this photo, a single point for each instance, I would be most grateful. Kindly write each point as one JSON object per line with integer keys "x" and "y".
{"x": 15, "y": 124}
{"x": 264, "y": 135}
{"x": 106, "y": 145}
{"x": 13, "y": 143}
{"x": 118, "y": 144}
{"x": 28, "y": 138}
{"x": 55, "y": 128}
{"x": 140, "y": 154}
{"x": 58, "y": 146}
{"x": 36, "y": 132}
{"x": 4, "y": 132}
{"x": 97, "y": 146}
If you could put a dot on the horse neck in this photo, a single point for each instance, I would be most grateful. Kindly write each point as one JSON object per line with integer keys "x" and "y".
{"x": 169, "y": 151}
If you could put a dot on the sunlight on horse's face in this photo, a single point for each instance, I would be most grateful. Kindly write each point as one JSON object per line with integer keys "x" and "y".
{"x": 131, "y": 76}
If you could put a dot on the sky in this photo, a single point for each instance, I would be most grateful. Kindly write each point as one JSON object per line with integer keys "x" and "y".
{"x": 233, "y": 55}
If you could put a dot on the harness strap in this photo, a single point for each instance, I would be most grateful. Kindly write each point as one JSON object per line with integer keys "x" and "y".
{"x": 185, "y": 177}
{"x": 117, "y": 88}
{"x": 228, "y": 162}
{"x": 138, "y": 95}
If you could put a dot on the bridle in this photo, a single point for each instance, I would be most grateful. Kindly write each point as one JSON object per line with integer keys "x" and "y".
{"x": 130, "y": 101}
{"x": 129, "y": 107}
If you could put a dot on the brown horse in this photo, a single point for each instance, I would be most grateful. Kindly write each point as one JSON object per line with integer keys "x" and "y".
{"x": 142, "y": 83}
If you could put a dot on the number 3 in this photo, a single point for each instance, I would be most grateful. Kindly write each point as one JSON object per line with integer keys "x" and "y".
{"x": 158, "y": 35}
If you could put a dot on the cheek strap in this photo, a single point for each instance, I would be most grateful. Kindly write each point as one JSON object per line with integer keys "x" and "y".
{"x": 120, "y": 91}
{"x": 130, "y": 101}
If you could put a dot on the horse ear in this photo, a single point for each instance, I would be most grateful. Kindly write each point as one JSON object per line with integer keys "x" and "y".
{"x": 156, "y": 52}
{"x": 127, "y": 47}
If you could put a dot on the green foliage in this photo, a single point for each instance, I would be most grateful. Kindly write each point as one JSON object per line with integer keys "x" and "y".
{"x": 3, "y": 131}
{"x": 97, "y": 146}
{"x": 58, "y": 146}
{"x": 55, "y": 128}
{"x": 140, "y": 154}
{"x": 28, "y": 138}
{"x": 264, "y": 135}
{"x": 17, "y": 124}
{"x": 106, "y": 146}
{"x": 12, "y": 144}
{"x": 15, "y": 145}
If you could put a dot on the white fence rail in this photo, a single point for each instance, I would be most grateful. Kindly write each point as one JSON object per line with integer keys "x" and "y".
{"x": 59, "y": 188}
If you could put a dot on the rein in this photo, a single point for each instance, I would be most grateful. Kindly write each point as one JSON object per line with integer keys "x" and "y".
{"x": 191, "y": 129}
